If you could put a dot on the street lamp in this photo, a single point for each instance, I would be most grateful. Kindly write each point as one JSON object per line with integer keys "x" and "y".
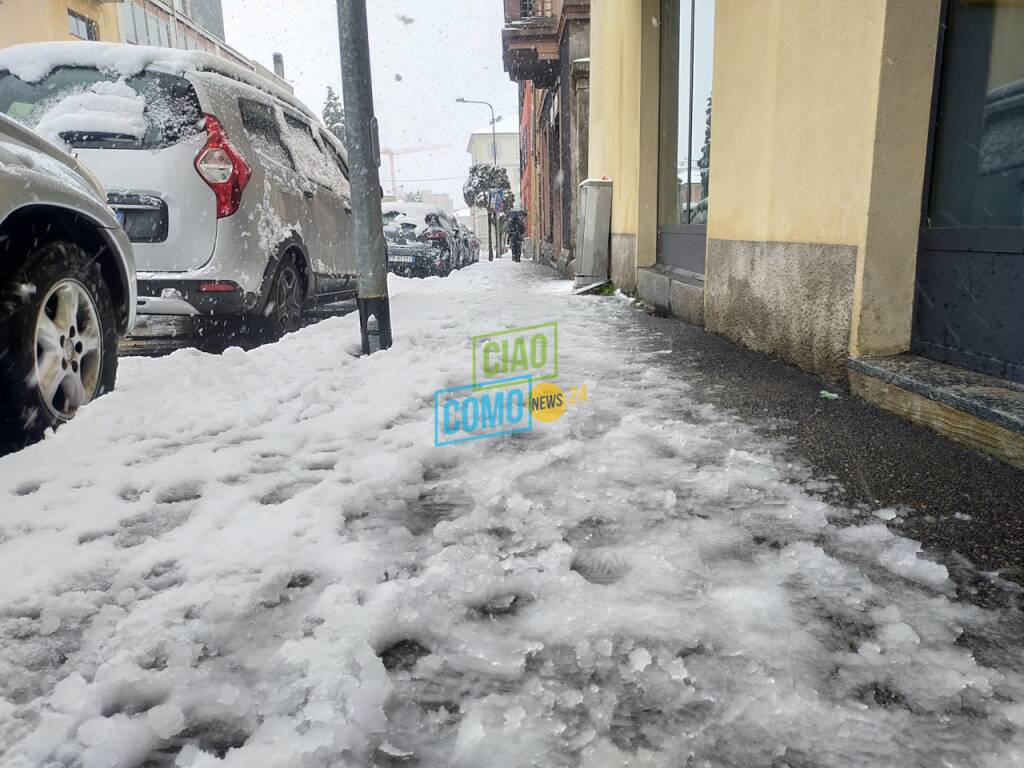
{"x": 363, "y": 144}
{"x": 494, "y": 130}
{"x": 494, "y": 157}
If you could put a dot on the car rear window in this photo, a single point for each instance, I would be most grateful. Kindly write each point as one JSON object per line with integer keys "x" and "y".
{"x": 86, "y": 108}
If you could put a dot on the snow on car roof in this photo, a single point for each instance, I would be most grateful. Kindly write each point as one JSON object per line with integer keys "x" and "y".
{"x": 34, "y": 61}
{"x": 411, "y": 210}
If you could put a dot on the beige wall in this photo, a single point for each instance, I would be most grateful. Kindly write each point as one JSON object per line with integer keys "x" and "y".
{"x": 883, "y": 300}
{"x": 820, "y": 127}
{"x": 795, "y": 85}
{"x": 34, "y": 21}
{"x": 624, "y": 126}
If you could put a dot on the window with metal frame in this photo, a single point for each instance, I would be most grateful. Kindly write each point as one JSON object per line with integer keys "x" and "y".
{"x": 82, "y": 26}
{"x": 684, "y": 164}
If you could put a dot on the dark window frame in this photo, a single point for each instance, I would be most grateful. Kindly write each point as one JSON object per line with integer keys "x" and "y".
{"x": 92, "y": 30}
{"x": 681, "y": 246}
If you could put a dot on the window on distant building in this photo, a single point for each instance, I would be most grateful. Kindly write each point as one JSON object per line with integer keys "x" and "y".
{"x": 139, "y": 22}
{"x": 153, "y": 29}
{"x": 127, "y": 24}
{"x": 526, "y": 8}
{"x": 82, "y": 27}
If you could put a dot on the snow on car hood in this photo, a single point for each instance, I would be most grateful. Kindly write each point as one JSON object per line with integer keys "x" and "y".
{"x": 105, "y": 107}
{"x": 18, "y": 160}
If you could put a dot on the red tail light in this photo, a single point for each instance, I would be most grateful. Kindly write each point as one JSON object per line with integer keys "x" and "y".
{"x": 434, "y": 234}
{"x": 222, "y": 168}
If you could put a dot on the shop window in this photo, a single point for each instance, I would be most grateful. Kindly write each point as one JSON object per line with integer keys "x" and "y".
{"x": 82, "y": 26}
{"x": 978, "y": 163}
{"x": 688, "y": 34}
{"x": 687, "y": 29}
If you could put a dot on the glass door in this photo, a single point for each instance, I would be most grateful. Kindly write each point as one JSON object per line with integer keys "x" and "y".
{"x": 684, "y": 163}
{"x": 969, "y": 308}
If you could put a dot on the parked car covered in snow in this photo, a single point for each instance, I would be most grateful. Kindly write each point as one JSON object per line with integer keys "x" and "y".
{"x": 471, "y": 244}
{"x": 235, "y": 196}
{"x": 67, "y": 285}
{"x": 422, "y": 239}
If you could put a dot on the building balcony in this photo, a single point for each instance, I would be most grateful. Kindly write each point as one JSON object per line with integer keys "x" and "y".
{"x": 531, "y": 39}
{"x": 530, "y": 50}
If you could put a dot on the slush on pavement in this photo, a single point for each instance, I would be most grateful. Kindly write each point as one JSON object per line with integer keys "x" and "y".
{"x": 263, "y": 558}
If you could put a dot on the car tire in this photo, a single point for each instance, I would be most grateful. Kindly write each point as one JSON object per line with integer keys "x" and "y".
{"x": 58, "y": 328}
{"x": 287, "y": 297}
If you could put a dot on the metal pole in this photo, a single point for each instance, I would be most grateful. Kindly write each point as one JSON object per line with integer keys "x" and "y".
{"x": 490, "y": 247}
{"x": 494, "y": 137}
{"x": 364, "y": 167}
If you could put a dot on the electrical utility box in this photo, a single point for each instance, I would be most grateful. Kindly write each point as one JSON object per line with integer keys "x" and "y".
{"x": 593, "y": 232}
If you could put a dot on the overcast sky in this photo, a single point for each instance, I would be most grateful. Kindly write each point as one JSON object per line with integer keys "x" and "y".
{"x": 449, "y": 48}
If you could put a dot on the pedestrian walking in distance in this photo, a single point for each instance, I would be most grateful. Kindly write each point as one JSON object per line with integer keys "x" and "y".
{"x": 516, "y": 231}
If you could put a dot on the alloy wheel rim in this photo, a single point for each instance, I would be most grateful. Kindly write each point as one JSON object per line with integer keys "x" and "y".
{"x": 68, "y": 348}
{"x": 289, "y": 300}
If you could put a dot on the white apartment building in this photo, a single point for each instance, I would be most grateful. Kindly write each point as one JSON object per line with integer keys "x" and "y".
{"x": 481, "y": 149}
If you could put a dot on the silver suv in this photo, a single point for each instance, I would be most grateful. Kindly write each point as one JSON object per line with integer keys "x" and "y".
{"x": 235, "y": 196}
{"x": 67, "y": 285}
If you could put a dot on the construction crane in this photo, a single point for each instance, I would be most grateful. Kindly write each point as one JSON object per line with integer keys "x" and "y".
{"x": 393, "y": 153}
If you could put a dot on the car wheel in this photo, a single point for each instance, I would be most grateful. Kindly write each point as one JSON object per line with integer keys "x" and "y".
{"x": 59, "y": 329}
{"x": 287, "y": 296}
{"x": 444, "y": 267}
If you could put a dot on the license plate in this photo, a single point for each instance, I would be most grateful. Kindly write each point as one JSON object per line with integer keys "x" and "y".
{"x": 401, "y": 258}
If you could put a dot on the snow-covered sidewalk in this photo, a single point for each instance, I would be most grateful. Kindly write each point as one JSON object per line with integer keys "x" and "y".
{"x": 261, "y": 559}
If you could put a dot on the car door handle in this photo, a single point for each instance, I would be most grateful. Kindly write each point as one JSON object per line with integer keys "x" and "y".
{"x": 308, "y": 194}
{"x": 348, "y": 209}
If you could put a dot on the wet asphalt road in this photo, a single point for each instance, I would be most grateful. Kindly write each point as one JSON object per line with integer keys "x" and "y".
{"x": 958, "y": 502}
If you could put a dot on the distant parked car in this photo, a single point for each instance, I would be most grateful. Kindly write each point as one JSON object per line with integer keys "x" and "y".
{"x": 471, "y": 244}
{"x": 422, "y": 240}
{"x": 67, "y": 285}
{"x": 235, "y": 196}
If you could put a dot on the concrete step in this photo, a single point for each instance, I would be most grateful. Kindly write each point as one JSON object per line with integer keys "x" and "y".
{"x": 973, "y": 409}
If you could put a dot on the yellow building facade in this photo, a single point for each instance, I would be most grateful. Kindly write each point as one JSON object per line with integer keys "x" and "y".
{"x": 36, "y": 21}
{"x": 860, "y": 181}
